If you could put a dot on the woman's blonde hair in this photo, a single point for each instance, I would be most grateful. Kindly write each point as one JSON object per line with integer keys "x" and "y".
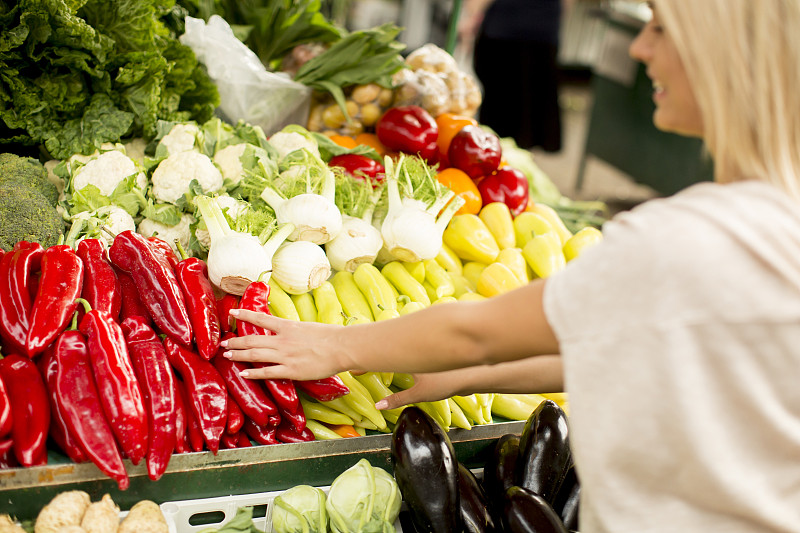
{"x": 743, "y": 60}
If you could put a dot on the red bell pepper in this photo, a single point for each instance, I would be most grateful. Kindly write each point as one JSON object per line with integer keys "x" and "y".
{"x": 507, "y": 185}
{"x": 101, "y": 287}
{"x": 205, "y": 388}
{"x": 255, "y": 298}
{"x": 201, "y": 304}
{"x": 7, "y": 459}
{"x": 235, "y": 417}
{"x": 155, "y": 279}
{"x": 359, "y": 166}
{"x": 131, "y": 302}
{"x": 261, "y": 434}
{"x": 164, "y": 249}
{"x": 181, "y": 420}
{"x": 30, "y": 409}
{"x": 224, "y": 306}
{"x": 157, "y": 381}
{"x": 409, "y": 129}
{"x": 287, "y": 433}
{"x": 79, "y": 400}
{"x": 324, "y": 390}
{"x": 6, "y": 420}
{"x": 475, "y": 151}
{"x": 16, "y": 274}
{"x": 59, "y": 430}
{"x": 123, "y": 401}
{"x": 60, "y": 284}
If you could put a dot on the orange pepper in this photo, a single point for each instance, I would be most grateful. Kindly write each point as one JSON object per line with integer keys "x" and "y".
{"x": 371, "y": 140}
{"x": 345, "y": 430}
{"x": 531, "y": 204}
{"x": 460, "y": 183}
{"x": 344, "y": 141}
{"x": 450, "y": 124}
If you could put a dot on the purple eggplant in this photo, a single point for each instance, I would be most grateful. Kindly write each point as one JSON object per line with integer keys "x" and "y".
{"x": 527, "y": 512}
{"x": 473, "y": 504}
{"x": 544, "y": 454}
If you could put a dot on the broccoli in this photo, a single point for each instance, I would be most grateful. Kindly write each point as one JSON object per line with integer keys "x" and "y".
{"x": 28, "y": 172}
{"x": 26, "y": 215}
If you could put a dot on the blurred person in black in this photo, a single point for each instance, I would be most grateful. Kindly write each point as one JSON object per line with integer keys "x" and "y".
{"x": 515, "y": 58}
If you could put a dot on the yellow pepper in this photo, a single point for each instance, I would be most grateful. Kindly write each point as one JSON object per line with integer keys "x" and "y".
{"x": 316, "y": 411}
{"x": 338, "y": 404}
{"x": 445, "y": 299}
{"x": 512, "y": 408}
{"x": 496, "y": 279}
{"x": 411, "y": 307}
{"x": 329, "y": 309}
{"x": 350, "y": 296}
{"x": 321, "y": 431}
{"x": 376, "y": 289}
{"x": 430, "y": 290}
{"x": 280, "y": 303}
{"x": 528, "y": 224}
{"x": 457, "y": 417}
{"x": 471, "y": 297}
{"x": 472, "y": 271}
{"x": 461, "y": 284}
{"x": 515, "y": 261}
{"x": 584, "y": 238}
{"x": 543, "y": 254}
{"x": 439, "y": 279}
{"x": 361, "y": 401}
{"x": 449, "y": 260}
{"x": 470, "y": 239}
{"x": 470, "y": 407}
{"x": 416, "y": 269}
{"x": 497, "y": 217}
{"x": 401, "y": 380}
{"x": 405, "y": 283}
{"x": 552, "y": 217}
{"x": 378, "y": 390}
{"x": 305, "y": 306}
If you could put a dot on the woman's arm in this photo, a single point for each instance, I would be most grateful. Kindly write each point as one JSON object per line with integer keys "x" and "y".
{"x": 442, "y": 337}
{"x": 529, "y": 375}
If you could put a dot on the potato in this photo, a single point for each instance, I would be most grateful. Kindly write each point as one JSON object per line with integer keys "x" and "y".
{"x": 8, "y": 526}
{"x": 144, "y": 517}
{"x": 101, "y": 517}
{"x": 66, "y": 509}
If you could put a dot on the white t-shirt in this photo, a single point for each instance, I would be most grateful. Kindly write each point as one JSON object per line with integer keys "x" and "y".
{"x": 680, "y": 337}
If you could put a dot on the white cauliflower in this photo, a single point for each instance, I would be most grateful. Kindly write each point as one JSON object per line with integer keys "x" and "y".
{"x": 181, "y": 231}
{"x": 229, "y": 162}
{"x": 173, "y": 175}
{"x": 234, "y": 208}
{"x": 135, "y": 149}
{"x": 181, "y": 138}
{"x": 91, "y": 223}
{"x": 106, "y": 171}
{"x": 287, "y": 142}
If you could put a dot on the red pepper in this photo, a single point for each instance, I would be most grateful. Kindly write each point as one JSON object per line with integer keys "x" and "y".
{"x": 131, "y": 302}
{"x": 155, "y": 279}
{"x": 163, "y": 248}
{"x": 6, "y": 421}
{"x": 248, "y": 394}
{"x": 235, "y": 417}
{"x": 224, "y": 306}
{"x": 324, "y": 390}
{"x": 260, "y": 434}
{"x": 194, "y": 435}
{"x": 296, "y": 420}
{"x": 101, "y": 287}
{"x": 123, "y": 402}
{"x": 16, "y": 273}
{"x": 205, "y": 388}
{"x": 30, "y": 409}
{"x": 7, "y": 459}
{"x": 230, "y": 442}
{"x": 509, "y": 186}
{"x": 61, "y": 283}
{"x": 157, "y": 381}
{"x": 286, "y": 432}
{"x": 409, "y": 129}
{"x": 244, "y": 440}
{"x": 192, "y": 274}
{"x": 255, "y": 298}
{"x": 359, "y": 166}
{"x": 181, "y": 420}
{"x": 79, "y": 400}
{"x": 59, "y": 430}
{"x": 475, "y": 151}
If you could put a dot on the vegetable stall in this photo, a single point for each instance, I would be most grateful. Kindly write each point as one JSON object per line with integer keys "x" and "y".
{"x": 141, "y": 204}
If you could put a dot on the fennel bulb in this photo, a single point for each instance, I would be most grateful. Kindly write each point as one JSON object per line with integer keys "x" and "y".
{"x": 358, "y": 242}
{"x": 300, "y": 266}
{"x": 413, "y": 226}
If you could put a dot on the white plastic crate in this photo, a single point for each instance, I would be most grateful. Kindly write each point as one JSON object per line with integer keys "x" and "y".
{"x": 179, "y": 513}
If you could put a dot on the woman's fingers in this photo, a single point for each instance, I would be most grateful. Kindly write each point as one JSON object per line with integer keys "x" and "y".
{"x": 263, "y": 320}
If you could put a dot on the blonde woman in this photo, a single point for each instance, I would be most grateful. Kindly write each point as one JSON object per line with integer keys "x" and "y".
{"x": 678, "y": 337}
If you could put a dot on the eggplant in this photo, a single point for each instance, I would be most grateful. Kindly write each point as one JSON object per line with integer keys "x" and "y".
{"x": 528, "y": 512}
{"x": 568, "y": 498}
{"x": 499, "y": 473}
{"x": 473, "y": 504}
{"x": 426, "y": 470}
{"x": 544, "y": 454}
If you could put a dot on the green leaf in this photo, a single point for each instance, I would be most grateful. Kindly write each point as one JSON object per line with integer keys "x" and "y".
{"x": 88, "y": 199}
{"x": 166, "y": 214}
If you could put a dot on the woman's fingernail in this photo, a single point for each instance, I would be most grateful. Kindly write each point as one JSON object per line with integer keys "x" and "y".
{"x": 234, "y": 312}
{"x": 381, "y": 404}
{"x": 227, "y": 355}
{"x": 244, "y": 373}
{"x": 224, "y": 344}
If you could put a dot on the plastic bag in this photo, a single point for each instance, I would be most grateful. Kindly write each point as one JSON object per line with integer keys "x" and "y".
{"x": 248, "y": 91}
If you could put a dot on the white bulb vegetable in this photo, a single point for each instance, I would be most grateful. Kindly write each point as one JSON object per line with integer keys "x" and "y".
{"x": 300, "y": 266}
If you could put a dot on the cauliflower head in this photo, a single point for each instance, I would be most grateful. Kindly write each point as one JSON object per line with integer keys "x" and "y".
{"x": 181, "y": 231}
{"x": 181, "y": 138}
{"x": 287, "y": 142}
{"x": 106, "y": 171}
{"x": 229, "y": 162}
{"x": 172, "y": 176}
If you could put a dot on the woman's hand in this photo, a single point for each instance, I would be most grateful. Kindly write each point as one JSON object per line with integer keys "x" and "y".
{"x": 427, "y": 388}
{"x": 297, "y": 350}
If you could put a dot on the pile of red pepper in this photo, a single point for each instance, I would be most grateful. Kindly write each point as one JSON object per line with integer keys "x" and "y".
{"x": 115, "y": 354}
{"x": 472, "y": 149}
